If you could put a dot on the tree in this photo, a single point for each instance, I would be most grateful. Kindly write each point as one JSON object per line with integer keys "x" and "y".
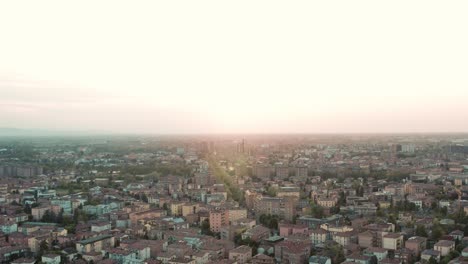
{"x": 342, "y": 199}
{"x": 272, "y": 191}
{"x": 437, "y": 232}
{"x": 27, "y": 209}
{"x": 421, "y": 231}
{"x": 49, "y": 217}
{"x": 432, "y": 260}
{"x": 270, "y": 221}
{"x": 205, "y": 228}
{"x": 43, "y": 247}
{"x": 144, "y": 198}
{"x": 59, "y": 218}
{"x": 317, "y": 211}
{"x": 335, "y": 252}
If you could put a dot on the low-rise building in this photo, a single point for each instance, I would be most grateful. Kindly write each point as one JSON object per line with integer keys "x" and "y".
{"x": 241, "y": 254}
{"x": 51, "y": 259}
{"x": 417, "y": 244}
{"x": 392, "y": 241}
{"x": 444, "y": 247}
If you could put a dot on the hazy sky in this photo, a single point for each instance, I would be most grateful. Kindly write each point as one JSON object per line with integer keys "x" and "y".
{"x": 235, "y": 66}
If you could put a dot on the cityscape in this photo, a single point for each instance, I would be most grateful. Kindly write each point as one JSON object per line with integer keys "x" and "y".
{"x": 225, "y": 198}
{"x": 234, "y": 132}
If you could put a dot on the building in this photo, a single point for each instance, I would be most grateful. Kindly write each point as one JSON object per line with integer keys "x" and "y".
{"x": 176, "y": 209}
{"x": 123, "y": 255}
{"x": 281, "y": 171}
{"x": 358, "y": 258}
{"x": 38, "y": 212}
{"x": 147, "y": 214}
{"x": 392, "y": 241}
{"x": 51, "y": 259}
{"x": 241, "y": 254}
{"x": 427, "y": 254}
{"x": 262, "y": 171}
{"x": 256, "y": 233}
{"x": 188, "y": 209}
{"x": 417, "y": 244}
{"x": 344, "y": 238}
{"x": 289, "y": 229}
{"x": 284, "y": 207}
{"x": 367, "y": 239}
{"x": 8, "y": 227}
{"x": 100, "y": 226}
{"x": 263, "y": 259}
{"x": 444, "y": 247}
{"x": 288, "y": 251}
{"x": 24, "y": 261}
{"x": 237, "y": 214}
{"x": 288, "y": 191}
{"x": 218, "y": 218}
{"x": 302, "y": 171}
{"x": 318, "y": 236}
{"x": 379, "y": 253}
{"x": 312, "y": 222}
{"x": 408, "y": 148}
{"x": 327, "y": 202}
{"x": 319, "y": 260}
{"x": 97, "y": 243}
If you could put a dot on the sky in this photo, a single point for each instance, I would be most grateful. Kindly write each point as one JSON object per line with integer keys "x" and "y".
{"x": 234, "y": 66}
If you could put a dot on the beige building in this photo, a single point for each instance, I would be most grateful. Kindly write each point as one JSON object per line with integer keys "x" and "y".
{"x": 327, "y": 202}
{"x": 392, "y": 241}
{"x": 188, "y": 209}
{"x": 176, "y": 209}
{"x": 237, "y": 214}
{"x": 242, "y": 254}
{"x": 318, "y": 236}
{"x": 288, "y": 191}
{"x": 444, "y": 247}
{"x": 38, "y": 212}
{"x": 344, "y": 238}
{"x": 96, "y": 244}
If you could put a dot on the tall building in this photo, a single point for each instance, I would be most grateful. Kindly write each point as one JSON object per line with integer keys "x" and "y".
{"x": 20, "y": 171}
{"x": 282, "y": 171}
{"x": 262, "y": 171}
{"x": 302, "y": 171}
{"x": 408, "y": 148}
{"x": 241, "y": 147}
{"x": 218, "y": 218}
{"x": 284, "y": 207}
{"x": 394, "y": 148}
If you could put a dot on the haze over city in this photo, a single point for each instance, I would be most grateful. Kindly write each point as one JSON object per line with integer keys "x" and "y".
{"x": 238, "y": 67}
{"x": 233, "y": 132}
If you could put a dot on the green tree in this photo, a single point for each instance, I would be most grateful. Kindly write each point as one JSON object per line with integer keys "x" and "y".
{"x": 437, "y": 232}
{"x": 421, "y": 231}
{"x": 272, "y": 191}
{"x": 205, "y": 228}
{"x": 317, "y": 211}
{"x": 270, "y": 221}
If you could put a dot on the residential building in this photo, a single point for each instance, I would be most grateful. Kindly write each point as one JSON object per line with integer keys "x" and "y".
{"x": 417, "y": 244}
{"x": 218, "y": 218}
{"x": 51, "y": 259}
{"x": 241, "y": 254}
{"x": 392, "y": 241}
{"x": 444, "y": 247}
